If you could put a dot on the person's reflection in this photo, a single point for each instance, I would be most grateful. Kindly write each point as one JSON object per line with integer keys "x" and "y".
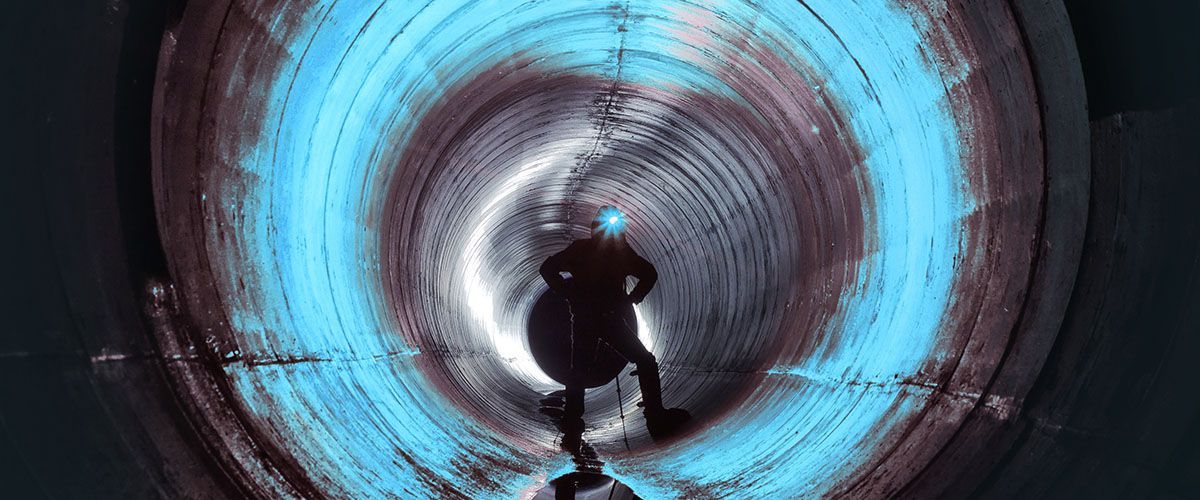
{"x": 598, "y": 267}
{"x": 583, "y": 485}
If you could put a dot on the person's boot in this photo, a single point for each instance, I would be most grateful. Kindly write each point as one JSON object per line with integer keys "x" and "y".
{"x": 661, "y": 422}
{"x": 647, "y": 373}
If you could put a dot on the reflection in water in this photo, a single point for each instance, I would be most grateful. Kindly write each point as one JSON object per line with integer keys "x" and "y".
{"x": 587, "y": 481}
{"x": 554, "y": 406}
{"x": 585, "y": 485}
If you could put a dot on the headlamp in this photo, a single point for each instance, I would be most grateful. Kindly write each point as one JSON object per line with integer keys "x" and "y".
{"x": 611, "y": 222}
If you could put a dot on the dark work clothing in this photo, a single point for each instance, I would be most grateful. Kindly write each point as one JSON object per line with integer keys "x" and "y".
{"x": 587, "y": 332}
{"x": 609, "y": 328}
{"x": 598, "y": 270}
{"x": 596, "y": 293}
{"x": 596, "y": 290}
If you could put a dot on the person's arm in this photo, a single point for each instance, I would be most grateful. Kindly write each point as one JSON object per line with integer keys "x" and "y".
{"x": 551, "y": 270}
{"x": 646, "y": 275}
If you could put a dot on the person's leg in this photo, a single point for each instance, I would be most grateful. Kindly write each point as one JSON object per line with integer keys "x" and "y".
{"x": 573, "y": 403}
{"x": 583, "y": 347}
{"x": 661, "y": 422}
{"x": 623, "y": 339}
{"x": 572, "y": 419}
{"x": 583, "y": 350}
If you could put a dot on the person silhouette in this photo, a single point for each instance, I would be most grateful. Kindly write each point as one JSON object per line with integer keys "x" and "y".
{"x": 598, "y": 267}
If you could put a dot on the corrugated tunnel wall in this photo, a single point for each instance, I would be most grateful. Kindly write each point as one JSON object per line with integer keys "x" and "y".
{"x": 908, "y": 249}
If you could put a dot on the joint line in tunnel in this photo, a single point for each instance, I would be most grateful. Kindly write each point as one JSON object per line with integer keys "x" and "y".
{"x": 329, "y": 274}
{"x": 604, "y": 127}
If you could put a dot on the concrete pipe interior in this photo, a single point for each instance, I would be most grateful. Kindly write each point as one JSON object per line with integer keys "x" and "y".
{"x": 845, "y": 201}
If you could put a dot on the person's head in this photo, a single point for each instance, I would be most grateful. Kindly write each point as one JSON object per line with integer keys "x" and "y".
{"x": 609, "y": 223}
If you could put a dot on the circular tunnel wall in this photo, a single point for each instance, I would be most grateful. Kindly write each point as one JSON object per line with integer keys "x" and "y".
{"x": 848, "y": 206}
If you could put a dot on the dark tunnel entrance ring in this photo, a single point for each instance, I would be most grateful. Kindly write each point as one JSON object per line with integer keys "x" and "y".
{"x": 550, "y": 341}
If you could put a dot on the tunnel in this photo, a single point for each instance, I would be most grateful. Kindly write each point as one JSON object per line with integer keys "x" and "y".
{"x": 905, "y": 249}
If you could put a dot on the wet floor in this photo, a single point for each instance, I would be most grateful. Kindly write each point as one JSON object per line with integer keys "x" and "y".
{"x": 588, "y": 480}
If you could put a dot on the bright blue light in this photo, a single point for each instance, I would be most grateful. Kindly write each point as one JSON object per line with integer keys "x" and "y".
{"x": 612, "y": 222}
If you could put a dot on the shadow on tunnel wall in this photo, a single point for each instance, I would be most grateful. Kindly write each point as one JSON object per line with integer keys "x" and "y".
{"x": 90, "y": 409}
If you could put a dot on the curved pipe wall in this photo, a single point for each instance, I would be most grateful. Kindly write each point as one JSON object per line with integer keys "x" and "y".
{"x": 847, "y": 216}
{"x": 114, "y": 385}
{"x": 849, "y": 206}
{"x": 116, "y": 381}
